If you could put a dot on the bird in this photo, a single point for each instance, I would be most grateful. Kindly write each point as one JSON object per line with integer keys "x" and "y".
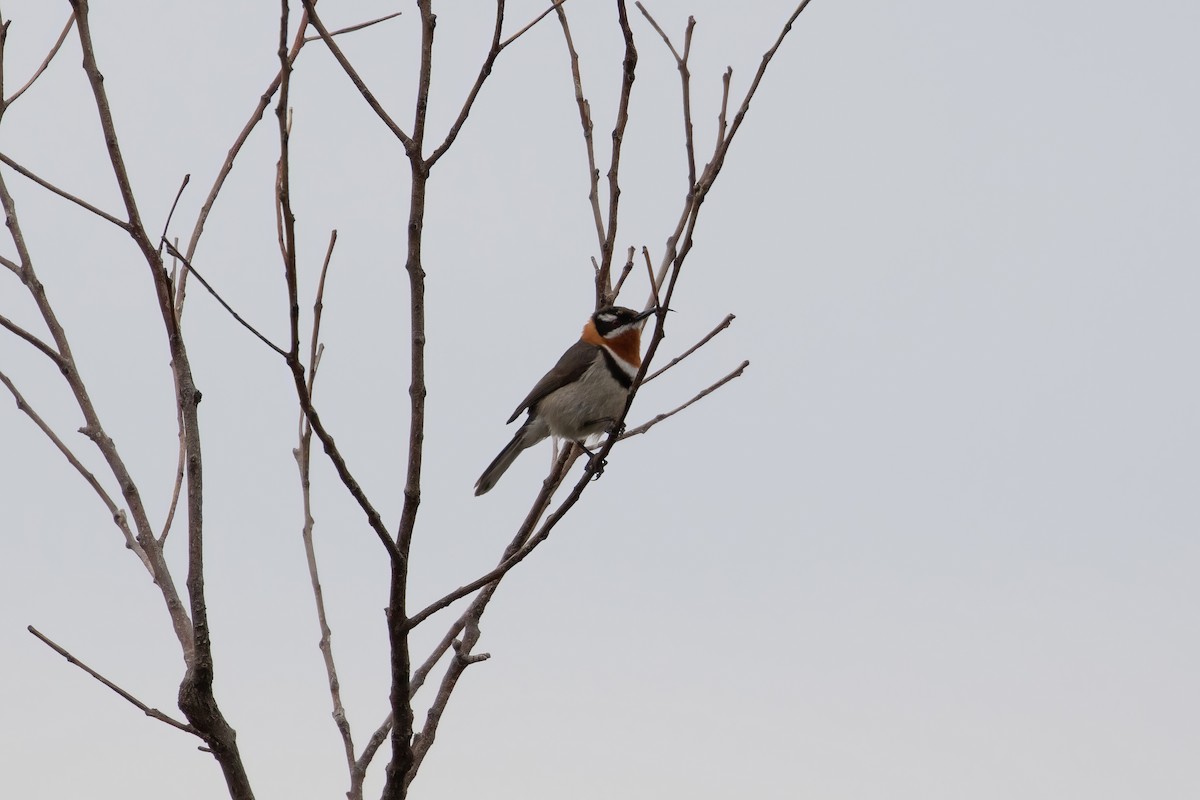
{"x": 584, "y": 393}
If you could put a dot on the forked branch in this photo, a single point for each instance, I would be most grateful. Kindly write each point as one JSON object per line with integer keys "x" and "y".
{"x": 145, "y": 709}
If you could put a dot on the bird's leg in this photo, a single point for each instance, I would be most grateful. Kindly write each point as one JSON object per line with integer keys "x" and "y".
{"x": 609, "y": 426}
{"x": 593, "y": 459}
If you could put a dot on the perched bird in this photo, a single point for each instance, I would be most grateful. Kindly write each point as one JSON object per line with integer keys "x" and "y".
{"x": 584, "y": 393}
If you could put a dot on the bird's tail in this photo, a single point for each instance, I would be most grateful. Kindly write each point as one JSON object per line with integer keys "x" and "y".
{"x": 527, "y": 435}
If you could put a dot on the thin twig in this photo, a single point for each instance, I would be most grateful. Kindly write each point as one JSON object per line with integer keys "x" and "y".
{"x": 686, "y": 78}
{"x": 685, "y": 75}
{"x": 351, "y": 29}
{"x": 179, "y": 280}
{"x": 287, "y": 239}
{"x": 714, "y": 166}
{"x": 514, "y": 553}
{"x": 359, "y": 773}
{"x": 180, "y": 473}
{"x": 628, "y": 66}
{"x": 62, "y": 37}
{"x": 177, "y": 295}
{"x": 45, "y": 184}
{"x": 145, "y": 709}
{"x": 660, "y": 417}
{"x": 355, "y": 78}
{"x": 315, "y": 347}
{"x": 625, "y": 270}
{"x": 723, "y": 115}
{"x": 217, "y": 296}
{"x": 532, "y": 23}
{"x": 654, "y": 298}
{"x": 303, "y": 455}
{"x": 585, "y": 120}
{"x": 170, "y": 214}
{"x": 20, "y": 332}
{"x": 485, "y": 71}
{"x": 256, "y": 116}
{"x": 463, "y": 658}
{"x": 118, "y": 516}
{"x": 720, "y": 327}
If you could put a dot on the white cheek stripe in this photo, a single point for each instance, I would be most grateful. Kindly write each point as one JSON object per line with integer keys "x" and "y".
{"x": 626, "y": 367}
{"x": 628, "y": 326}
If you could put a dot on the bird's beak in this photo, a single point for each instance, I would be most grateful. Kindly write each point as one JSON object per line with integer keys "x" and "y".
{"x": 648, "y": 312}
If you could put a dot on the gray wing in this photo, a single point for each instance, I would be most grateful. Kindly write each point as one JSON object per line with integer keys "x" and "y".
{"x": 573, "y": 363}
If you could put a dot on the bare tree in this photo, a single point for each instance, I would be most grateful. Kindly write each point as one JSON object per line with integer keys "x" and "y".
{"x": 171, "y": 266}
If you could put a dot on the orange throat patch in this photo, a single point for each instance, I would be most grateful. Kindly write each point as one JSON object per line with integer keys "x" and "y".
{"x": 627, "y": 346}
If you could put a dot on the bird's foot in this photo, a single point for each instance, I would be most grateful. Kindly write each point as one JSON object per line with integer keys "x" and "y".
{"x": 594, "y": 461}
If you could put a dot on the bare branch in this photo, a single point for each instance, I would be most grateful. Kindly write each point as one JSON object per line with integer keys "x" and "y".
{"x": 484, "y": 71}
{"x": 714, "y": 166}
{"x": 374, "y": 520}
{"x": 625, "y": 270}
{"x": 216, "y": 296}
{"x": 45, "y": 349}
{"x": 147, "y": 549}
{"x": 180, "y": 473}
{"x": 659, "y": 418}
{"x": 681, "y": 62}
{"x": 553, "y": 5}
{"x": 585, "y": 120}
{"x": 722, "y": 125}
{"x": 255, "y": 117}
{"x": 303, "y": 455}
{"x": 315, "y": 347}
{"x": 628, "y": 64}
{"x": 118, "y": 516}
{"x": 463, "y": 658}
{"x": 355, "y": 78}
{"x": 177, "y": 296}
{"x": 287, "y": 240}
{"x": 720, "y": 327}
{"x": 359, "y": 774}
{"x": 351, "y": 29}
{"x": 62, "y": 37}
{"x": 145, "y": 709}
{"x": 400, "y": 767}
{"x": 686, "y": 78}
{"x": 515, "y": 553}
{"x": 654, "y": 298}
{"x": 45, "y": 184}
{"x": 196, "y": 698}
{"x": 179, "y": 281}
{"x": 170, "y": 214}
{"x": 658, "y": 29}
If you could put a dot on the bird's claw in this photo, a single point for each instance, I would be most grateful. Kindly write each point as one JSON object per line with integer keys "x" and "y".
{"x": 598, "y": 464}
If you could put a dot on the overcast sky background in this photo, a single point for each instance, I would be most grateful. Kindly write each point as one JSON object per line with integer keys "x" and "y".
{"x": 940, "y": 541}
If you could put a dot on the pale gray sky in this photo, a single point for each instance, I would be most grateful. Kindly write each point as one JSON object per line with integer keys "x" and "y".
{"x": 940, "y": 541}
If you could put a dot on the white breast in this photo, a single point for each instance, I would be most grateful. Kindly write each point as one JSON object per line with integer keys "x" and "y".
{"x": 586, "y": 407}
